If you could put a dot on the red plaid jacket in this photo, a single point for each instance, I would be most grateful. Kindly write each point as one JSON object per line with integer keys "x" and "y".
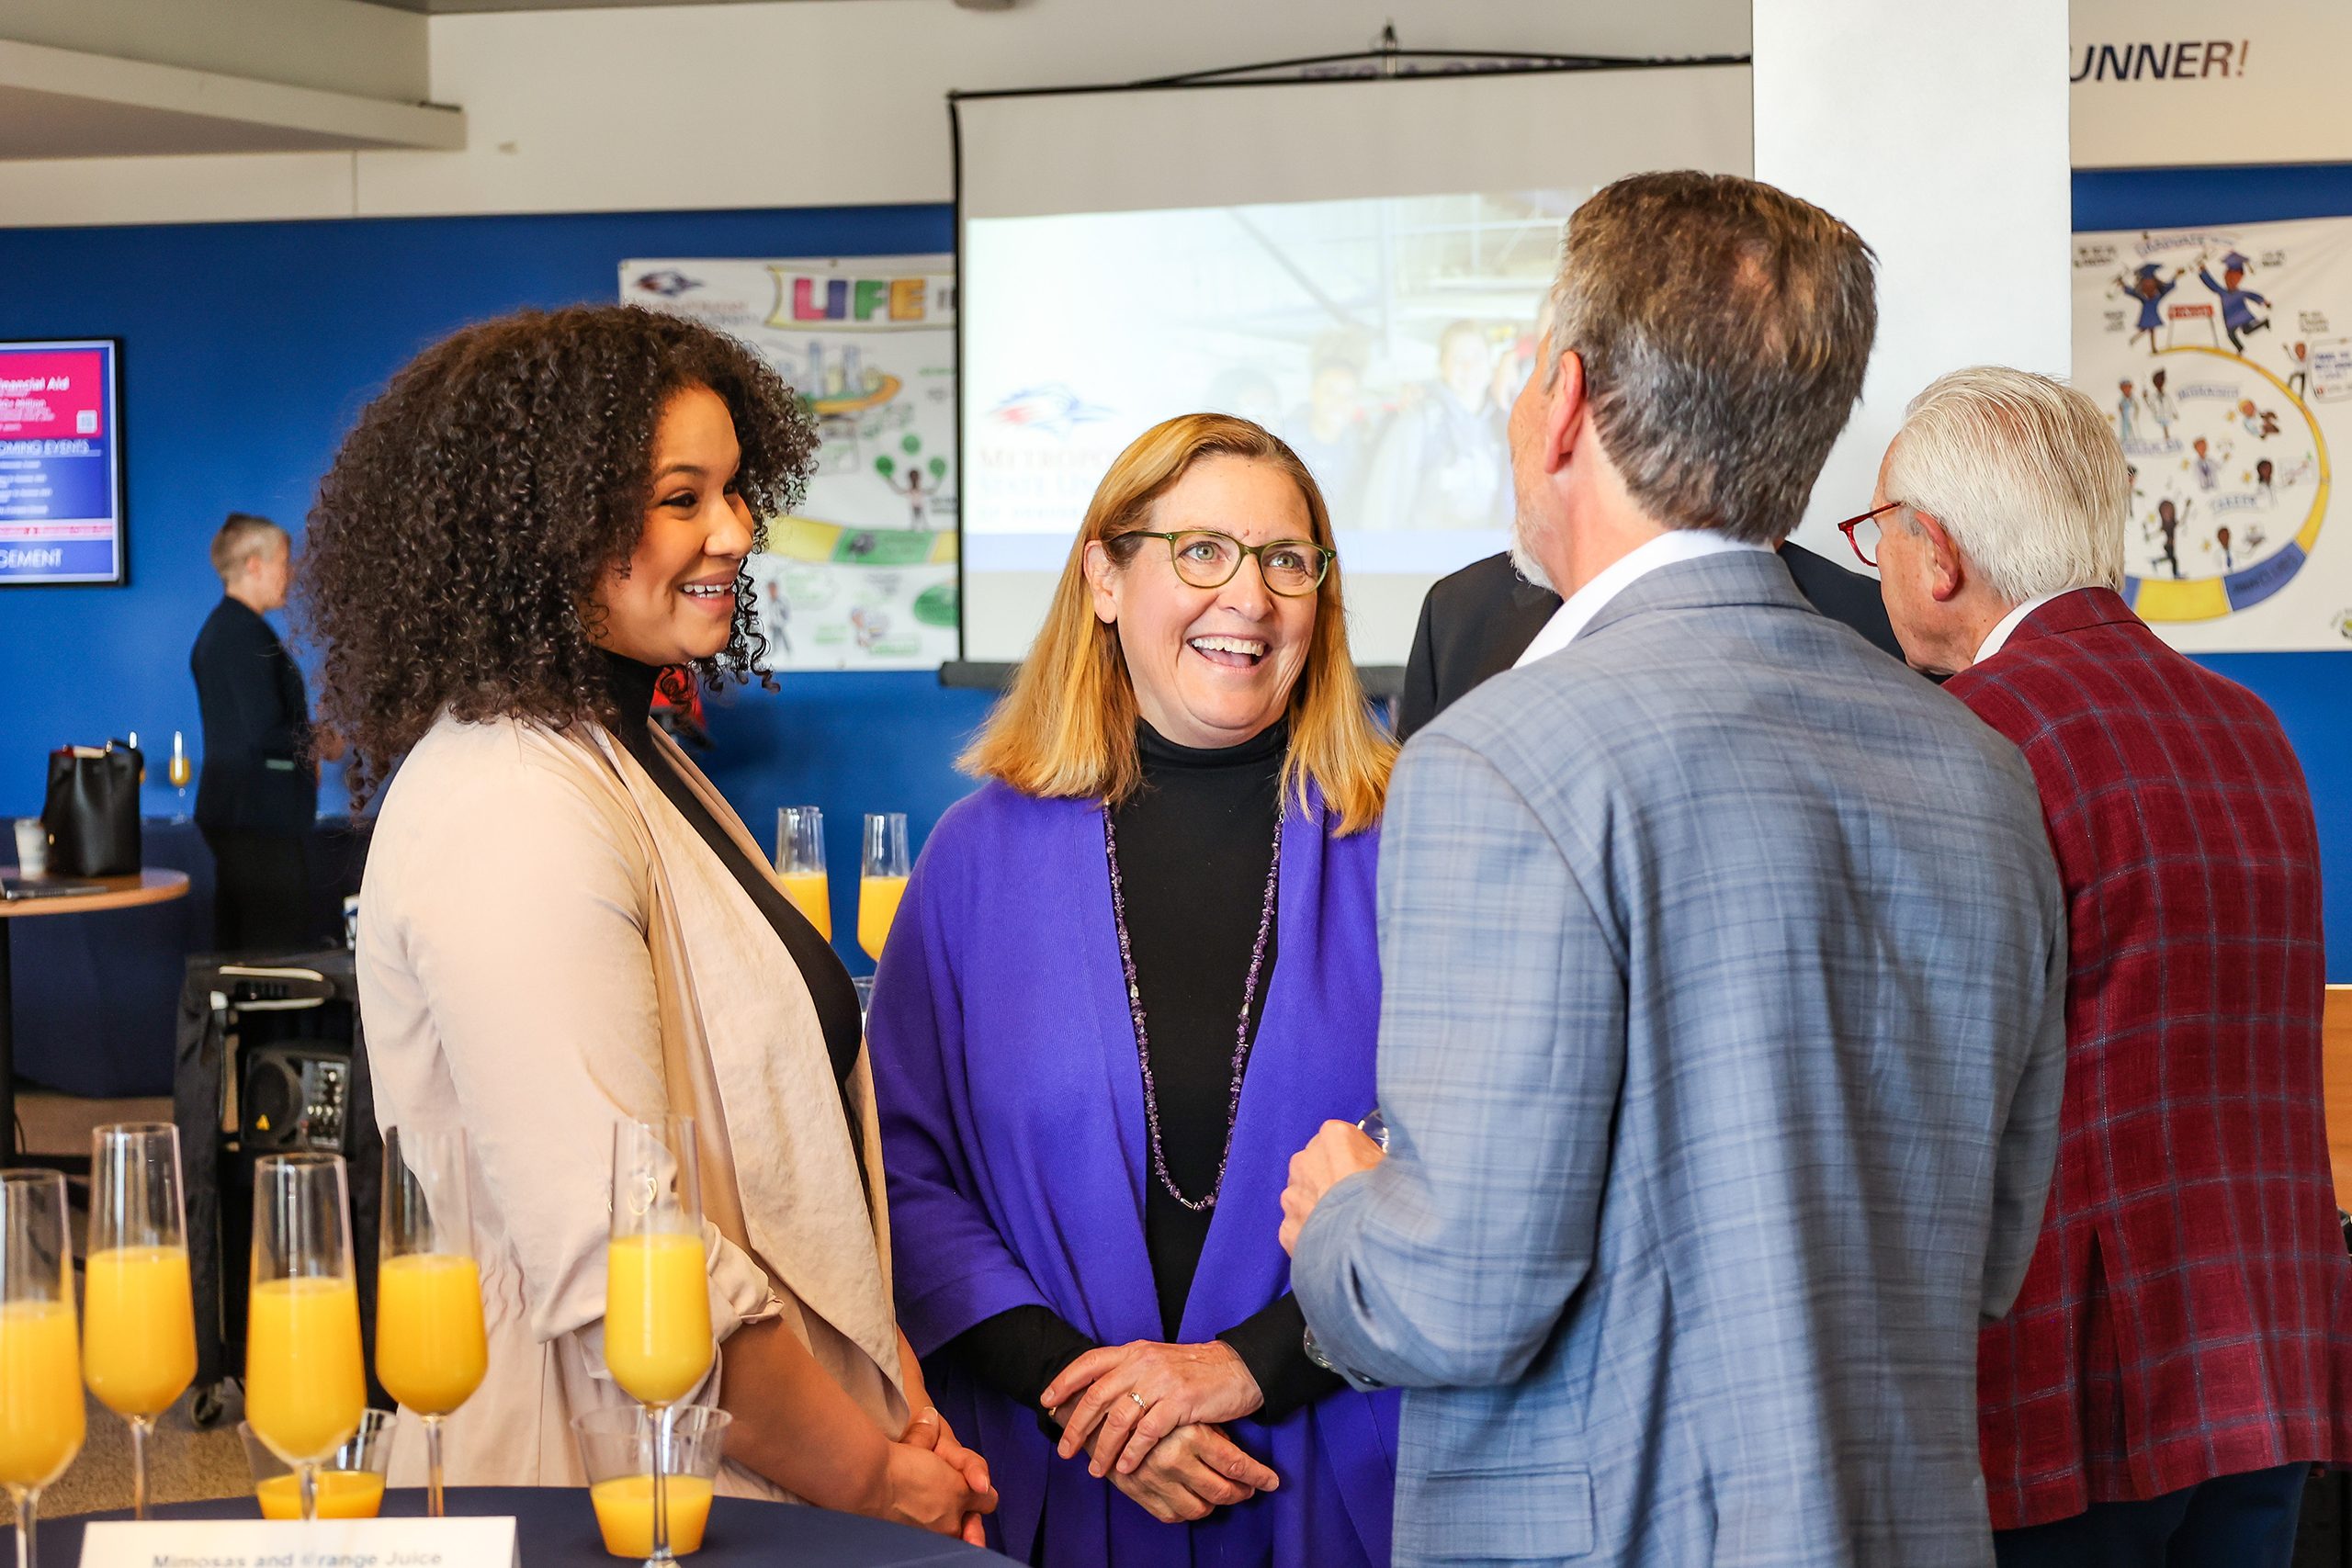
{"x": 2188, "y": 1311}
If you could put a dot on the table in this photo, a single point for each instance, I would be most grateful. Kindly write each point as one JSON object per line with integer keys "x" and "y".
{"x": 136, "y": 891}
{"x": 556, "y": 1530}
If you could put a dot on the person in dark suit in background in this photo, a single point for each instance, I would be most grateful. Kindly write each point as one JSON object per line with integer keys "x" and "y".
{"x": 257, "y": 793}
{"x": 1478, "y": 621}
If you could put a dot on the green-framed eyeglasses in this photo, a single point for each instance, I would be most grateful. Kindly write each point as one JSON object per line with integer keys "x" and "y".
{"x": 1207, "y": 559}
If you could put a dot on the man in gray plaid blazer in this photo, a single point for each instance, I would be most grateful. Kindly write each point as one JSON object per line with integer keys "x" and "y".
{"x": 1723, "y": 972}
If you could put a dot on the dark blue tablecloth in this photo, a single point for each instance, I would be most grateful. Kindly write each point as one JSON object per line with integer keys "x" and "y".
{"x": 557, "y": 1529}
{"x": 97, "y": 995}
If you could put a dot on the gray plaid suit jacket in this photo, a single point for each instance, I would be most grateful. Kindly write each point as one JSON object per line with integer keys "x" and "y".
{"x": 1721, "y": 1044}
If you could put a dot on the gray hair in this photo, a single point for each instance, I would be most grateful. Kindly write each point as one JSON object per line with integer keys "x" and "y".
{"x": 2023, "y": 471}
{"x": 1724, "y": 327}
{"x": 240, "y": 539}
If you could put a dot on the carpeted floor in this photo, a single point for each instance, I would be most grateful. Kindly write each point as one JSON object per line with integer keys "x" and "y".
{"x": 182, "y": 1464}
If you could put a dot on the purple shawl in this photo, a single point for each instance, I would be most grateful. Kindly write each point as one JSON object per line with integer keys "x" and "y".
{"x": 1012, "y": 1131}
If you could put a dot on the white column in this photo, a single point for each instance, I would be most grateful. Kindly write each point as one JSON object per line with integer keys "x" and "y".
{"x": 1940, "y": 132}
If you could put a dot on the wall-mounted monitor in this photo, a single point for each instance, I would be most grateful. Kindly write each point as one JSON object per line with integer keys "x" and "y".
{"x": 61, "y": 463}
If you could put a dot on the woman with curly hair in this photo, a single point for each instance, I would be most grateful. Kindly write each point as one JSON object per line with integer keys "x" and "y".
{"x": 565, "y": 925}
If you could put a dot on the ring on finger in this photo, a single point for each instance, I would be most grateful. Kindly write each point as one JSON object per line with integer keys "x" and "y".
{"x": 1141, "y": 1403}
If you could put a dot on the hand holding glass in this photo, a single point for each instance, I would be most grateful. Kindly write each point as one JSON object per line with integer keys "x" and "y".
{"x": 431, "y": 1351}
{"x": 657, "y": 1299}
{"x": 306, "y": 1385}
{"x": 41, "y": 1392}
{"x": 139, "y": 1342}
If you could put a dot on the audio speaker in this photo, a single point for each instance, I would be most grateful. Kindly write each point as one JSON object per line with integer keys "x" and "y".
{"x": 297, "y": 1097}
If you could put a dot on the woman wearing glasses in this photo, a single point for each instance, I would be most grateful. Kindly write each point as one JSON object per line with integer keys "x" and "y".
{"x": 1133, "y": 973}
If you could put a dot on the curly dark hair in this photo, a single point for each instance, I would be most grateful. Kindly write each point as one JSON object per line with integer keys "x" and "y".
{"x": 458, "y": 538}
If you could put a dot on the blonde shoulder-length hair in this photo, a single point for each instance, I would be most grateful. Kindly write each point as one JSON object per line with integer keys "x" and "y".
{"x": 1068, "y": 727}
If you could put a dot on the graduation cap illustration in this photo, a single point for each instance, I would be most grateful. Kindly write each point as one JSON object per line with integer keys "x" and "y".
{"x": 2234, "y": 261}
{"x": 2148, "y": 270}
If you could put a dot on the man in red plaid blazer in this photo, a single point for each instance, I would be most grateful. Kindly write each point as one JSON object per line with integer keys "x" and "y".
{"x": 2181, "y": 1351}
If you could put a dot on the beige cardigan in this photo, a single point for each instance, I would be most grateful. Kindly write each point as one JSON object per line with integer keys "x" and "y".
{"x": 547, "y": 947}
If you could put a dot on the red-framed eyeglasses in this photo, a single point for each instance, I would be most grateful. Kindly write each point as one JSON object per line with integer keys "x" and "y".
{"x": 1851, "y": 528}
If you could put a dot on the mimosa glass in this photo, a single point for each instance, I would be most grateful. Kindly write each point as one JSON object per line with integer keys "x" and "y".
{"x": 881, "y": 878}
{"x": 351, "y": 1485}
{"x": 656, "y": 1303}
{"x": 800, "y": 862}
{"x": 41, "y": 1385}
{"x": 430, "y": 1348}
{"x": 616, "y": 1445}
{"x": 306, "y": 1384}
{"x": 183, "y": 768}
{"x": 139, "y": 1327}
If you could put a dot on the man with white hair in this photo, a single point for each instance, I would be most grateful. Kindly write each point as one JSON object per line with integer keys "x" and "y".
{"x": 2182, "y": 1350}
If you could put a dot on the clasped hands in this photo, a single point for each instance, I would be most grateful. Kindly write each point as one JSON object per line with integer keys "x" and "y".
{"x": 1150, "y": 1414}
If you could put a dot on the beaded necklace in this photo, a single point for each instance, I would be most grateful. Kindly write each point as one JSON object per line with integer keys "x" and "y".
{"x": 1143, "y": 1039}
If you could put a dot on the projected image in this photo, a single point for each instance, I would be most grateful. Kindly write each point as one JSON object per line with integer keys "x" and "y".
{"x": 1384, "y": 339}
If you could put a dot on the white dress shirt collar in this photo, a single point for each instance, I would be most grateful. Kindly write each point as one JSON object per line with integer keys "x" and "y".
{"x": 1998, "y": 638}
{"x": 1577, "y": 610}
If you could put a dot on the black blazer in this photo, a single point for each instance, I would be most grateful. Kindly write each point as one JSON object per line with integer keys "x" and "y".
{"x": 256, "y": 771}
{"x": 1478, "y": 621}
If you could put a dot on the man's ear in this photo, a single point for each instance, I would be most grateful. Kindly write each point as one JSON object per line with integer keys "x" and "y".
{"x": 1564, "y": 410}
{"x": 1946, "y": 574}
{"x": 1100, "y": 570}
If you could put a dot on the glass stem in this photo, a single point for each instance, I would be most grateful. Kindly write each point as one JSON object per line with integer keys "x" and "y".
{"x": 28, "y": 1501}
{"x": 306, "y": 1477}
{"x": 433, "y": 1467}
{"x": 140, "y": 1426}
{"x": 660, "y": 1486}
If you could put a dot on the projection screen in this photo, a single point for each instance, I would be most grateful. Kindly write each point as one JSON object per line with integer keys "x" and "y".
{"x": 1356, "y": 264}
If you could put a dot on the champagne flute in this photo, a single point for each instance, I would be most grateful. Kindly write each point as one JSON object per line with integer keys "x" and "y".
{"x": 306, "y": 1384}
{"x": 657, "y": 1299}
{"x": 800, "y": 861}
{"x": 182, "y": 770}
{"x": 40, "y": 1389}
{"x": 881, "y": 878}
{"x": 430, "y": 1348}
{"x": 139, "y": 1329}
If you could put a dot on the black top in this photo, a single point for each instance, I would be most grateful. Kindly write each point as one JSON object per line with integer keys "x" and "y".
{"x": 1195, "y": 844}
{"x": 256, "y": 770}
{"x": 820, "y": 969}
{"x": 1478, "y": 621}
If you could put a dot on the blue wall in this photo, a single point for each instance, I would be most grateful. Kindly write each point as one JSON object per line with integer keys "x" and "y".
{"x": 249, "y": 347}
{"x": 248, "y": 350}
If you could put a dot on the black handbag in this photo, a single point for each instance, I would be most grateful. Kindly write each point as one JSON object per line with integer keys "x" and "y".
{"x": 92, "y": 811}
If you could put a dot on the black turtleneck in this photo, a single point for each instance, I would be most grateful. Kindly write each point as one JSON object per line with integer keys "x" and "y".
{"x": 820, "y": 969}
{"x": 1195, "y": 843}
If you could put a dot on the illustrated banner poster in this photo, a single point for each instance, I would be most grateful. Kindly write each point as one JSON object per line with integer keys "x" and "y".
{"x": 863, "y": 577}
{"x": 2225, "y": 358}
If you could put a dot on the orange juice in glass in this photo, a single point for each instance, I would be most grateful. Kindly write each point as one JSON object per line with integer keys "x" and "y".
{"x": 882, "y": 878}
{"x": 657, "y": 1315}
{"x": 431, "y": 1350}
{"x": 41, "y": 1382}
{"x": 800, "y": 865}
{"x": 138, "y": 1329}
{"x": 342, "y": 1495}
{"x": 306, "y": 1385}
{"x": 139, "y": 1322}
{"x": 618, "y": 1448}
{"x": 41, "y": 1399}
{"x": 657, "y": 1299}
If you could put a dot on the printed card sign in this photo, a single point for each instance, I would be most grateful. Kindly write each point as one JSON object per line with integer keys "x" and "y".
{"x": 329, "y": 1543}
